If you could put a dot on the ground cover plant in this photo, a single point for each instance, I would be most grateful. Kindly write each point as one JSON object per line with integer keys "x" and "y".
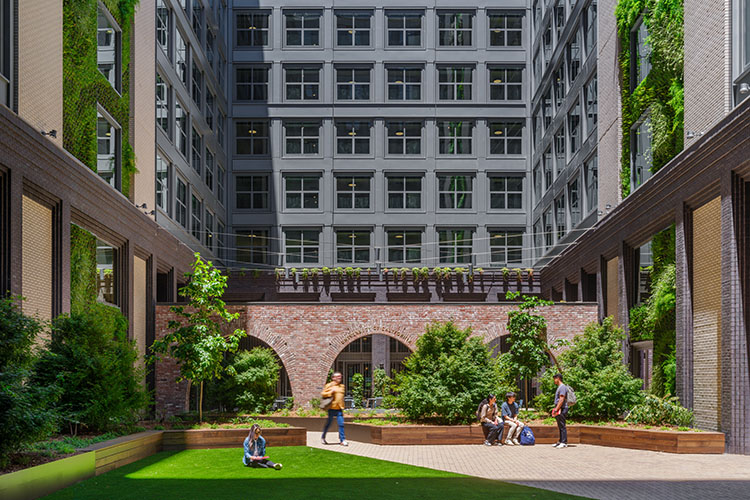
{"x": 308, "y": 473}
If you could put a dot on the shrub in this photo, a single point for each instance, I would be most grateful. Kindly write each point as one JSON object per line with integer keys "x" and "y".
{"x": 90, "y": 357}
{"x": 660, "y": 411}
{"x": 593, "y": 367}
{"x": 253, "y": 380}
{"x": 381, "y": 383}
{"x": 357, "y": 389}
{"x": 315, "y": 403}
{"x": 25, "y": 409}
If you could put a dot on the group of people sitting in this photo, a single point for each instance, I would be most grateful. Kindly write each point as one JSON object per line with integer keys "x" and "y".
{"x": 493, "y": 421}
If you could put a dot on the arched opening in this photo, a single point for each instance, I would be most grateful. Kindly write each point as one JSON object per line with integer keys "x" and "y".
{"x": 283, "y": 387}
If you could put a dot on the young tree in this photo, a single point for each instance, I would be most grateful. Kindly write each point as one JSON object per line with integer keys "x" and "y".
{"x": 197, "y": 342}
{"x": 253, "y": 383}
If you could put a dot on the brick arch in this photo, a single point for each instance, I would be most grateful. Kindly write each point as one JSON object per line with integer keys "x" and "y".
{"x": 280, "y": 345}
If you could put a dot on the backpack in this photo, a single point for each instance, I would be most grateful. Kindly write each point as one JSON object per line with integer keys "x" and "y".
{"x": 527, "y": 436}
{"x": 479, "y": 408}
{"x": 571, "y": 398}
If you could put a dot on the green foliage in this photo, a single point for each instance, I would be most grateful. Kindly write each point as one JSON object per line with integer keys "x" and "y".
{"x": 69, "y": 444}
{"x": 357, "y": 389}
{"x": 661, "y": 306}
{"x": 253, "y": 378}
{"x": 381, "y": 383}
{"x": 529, "y": 351}
{"x": 446, "y": 377}
{"x": 83, "y": 287}
{"x": 640, "y": 327}
{"x": 25, "y": 414}
{"x": 90, "y": 357}
{"x": 197, "y": 342}
{"x": 593, "y": 367}
{"x": 660, "y": 411}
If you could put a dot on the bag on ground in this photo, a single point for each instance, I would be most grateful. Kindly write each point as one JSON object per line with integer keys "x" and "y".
{"x": 571, "y": 397}
{"x": 527, "y": 436}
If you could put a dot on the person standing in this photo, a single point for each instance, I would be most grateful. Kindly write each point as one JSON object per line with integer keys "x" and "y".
{"x": 492, "y": 425}
{"x": 335, "y": 390}
{"x": 560, "y": 412}
{"x": 509, "y": 412}
{"x": 255, "y": 451}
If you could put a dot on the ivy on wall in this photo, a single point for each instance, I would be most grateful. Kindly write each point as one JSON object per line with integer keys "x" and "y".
{"x": 83, "y": 285}
{"x": 84, "y": 85}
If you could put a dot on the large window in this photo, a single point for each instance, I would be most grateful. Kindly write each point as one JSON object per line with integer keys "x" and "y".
{"x": 454, "y": 29}
{"x": 163, "y": 19}
{"x": 559, "y": 86}
{"x": 590, "y": 26}
{"x": 221, "y": 246}
{"x": 560, "y": 158}
{"x": 180, "y": 205}
{"x": 506, "y": 193}
{"x": 163, "y": 118}
{"x": 353, "y": 84}
{"x": 454, "y": 246}
{"x": 574, "y": 56}
{"x": 253, "y": 246}
{"x": 561, "y": 218}
{"x": 252, "y": 29}
{"x": 302, "y": 246}
{"x": 574, "y": 127}
{"x": 108, "y": 150}
{"x": 404, "y": 29}
{"x": 196, "y": 216}
{"x": 252, "y": 192}
{"x": 404, "y": 84}
{"x": 537, "y": 183}
{"x": 301, "y": 138}
{"x": 506, "y": 138}
{"x": 302, "y": 192}
{"x": 220, "y": 183}
{"x": 574, "y": 199}
{"x": 198, "y": 20}
{"x": 506, "y": 29}
{"x": 538, "y": 238}
{"x": 592, "y": 106}
{"x": 640, "y": 146}
{"x": 549, "y": 231}
{"x": 181, "y": 58}
{"x": 6, "y": 52}
{"x": 404, "y": 138}
{"x": 208, "y": 233}
{"x": 741, "y": 51}
{"x": 455, "y": 137}
{"x": 549, "y": 169}
{"x": 353, "y": 246}
{"x": 455, "y": 191}
{"x": 252, "y": 138}
{"x": 353, "y": 138}
{"x": 209, "y": 174}
{"x": 559, "y": 16}
{"x": 162, "y": 183}
{"x": 641, "y": 54}
{"x": 592, "y": 184}
{"x": 197, "y": 84}
{"x": 454, "y": 83}
{"x": 210, "y": 103}
{"x": 506, "y": 84}
{"x": 353, "y": 29}
{"x": 404, "y": 246}
{"x": 302, "y": 29}
{"x": 181, "y": 131}
{"x": 197, "y": 151}
{"x": 252, "y": 83}
{"x": 302, "y": 83}
{"x": 506, "y": 247}
{"x": 353, "y": 192}
{"x": 108, "y": 43}
{"x": 404, "y": 192}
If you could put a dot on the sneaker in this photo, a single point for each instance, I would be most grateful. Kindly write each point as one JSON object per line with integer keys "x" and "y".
{"x": 562, "y": 445}
{"x": 556, "y": 444}
{"x": 323, "y": 441}
{"x": 509, "y": 442}
{"x": 278, "y": 466}
{"x": 344, "y": 443}
{"x": 487, "y": 443}
{"x": 515, "y": 442}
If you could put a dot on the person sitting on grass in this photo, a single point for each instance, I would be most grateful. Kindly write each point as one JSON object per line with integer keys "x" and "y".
{"x": 255, "y": 451}
{"x": 490, "y": 422}
{"x": 509, "y": 412}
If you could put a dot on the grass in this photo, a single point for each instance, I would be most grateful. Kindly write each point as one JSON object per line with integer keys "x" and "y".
{"x": 308, "y": 473}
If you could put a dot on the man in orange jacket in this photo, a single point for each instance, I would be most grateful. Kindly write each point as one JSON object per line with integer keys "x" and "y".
{"x": 336, "y": 390}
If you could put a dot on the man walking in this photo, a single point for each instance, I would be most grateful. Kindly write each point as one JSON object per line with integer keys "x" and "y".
{"x": 490, "y": 422}
{"x": 509, "y": 412}
{"x": 560, "y": 412}
{"x": 335, "y": 389}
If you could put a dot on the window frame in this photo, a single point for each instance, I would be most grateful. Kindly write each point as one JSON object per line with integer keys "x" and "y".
{"x": 351, "y": 137}
{"x": 303, "y": 82}
{"x": 302, "y": 29}
{"x": 403, "y": 246}
{"x": 647, "y": 154}
{"x": 497, "y": 236}
{"x": 196, "y": 221}
{"x": 302, "y": 138}
{"x": 404, "y": 139}
{"x": 453, "y": 84}
{"x": 504, "y": 83}
{"x": 209, "y": 219}
{"x": 313, "y": 244}
{"x": 451, "y": 242}
{"x": 592, "y": 202}
{"x": 252, "y": 194}
{"x": 592, "y": 119}
{"x": 505, "y": 13}
{"x": 196, "y": 151}
{"x": 505, "y": 127}
{"x": 252, "y": 235}
{"x": 253, "y": 138}
{"x": 115, "y": 143}
{"x": 455, "y": 30}
{"x": 181, "y": 206}
{"x": 454, "y": 139}
{"x": 182, "y": 63}
{"x": 640, "y": 52}
{"x": 403, "y": 84}
{"x": 506, "y": 193}
{"x": 354, "y": 247}
{"x": 267, "y": 30}
{"x": 404, "y": 193}
{"x": 162, "y": 183}
{"x": 302, "y": 192}
{"x": 249, "y": 87}
{"x": 165, "y": 104}
{"x": 403, "y": 14}
{"x": 117, "y": 40}
{"x": 353, "y": 84}
{"x": 165, "y": 28}
{"x": 453, "y": 192}
{"x": 353, "y": 194}
{"x": 353, "y": 30}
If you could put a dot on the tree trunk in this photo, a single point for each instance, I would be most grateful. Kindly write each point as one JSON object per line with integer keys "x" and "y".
{"x": 200, "y": 404}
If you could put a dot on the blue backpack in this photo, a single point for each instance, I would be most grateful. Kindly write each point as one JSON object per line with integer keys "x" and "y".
{"x": 527, "y": 436}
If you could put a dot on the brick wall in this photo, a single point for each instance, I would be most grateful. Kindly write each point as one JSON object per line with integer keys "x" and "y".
{"x": 140, "y": 306}
{"x": 707, "y": 315}
{"x": 37, "y": 259}
{"x": 143, "y": 111}
{"x": 308, "y": 338}
{"x": 613, "y": 289}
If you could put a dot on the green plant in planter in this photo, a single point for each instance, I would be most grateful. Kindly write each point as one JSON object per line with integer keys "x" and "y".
{"x": 519, "y": 273}
{"x": 415, "y": 273}
{"x": 256, "y": 273}
{"x": 314, "y": 272}
{"x": 358, "y": 389}
{"x": 278, "y": 272}
{"x": 506, "y": 273}
{"x": 404, "y": 271}
{"x": 349, "y": 272}
{"x": 357, "y": 272}
{"x": 293, "y": 272}
{"x": 340, "y": 272}
{"x": 305, "y": 273}
{"x": 530, "y": 273}
{"x": 479, "y": 270}
{"x": 425, "y": 273}
{"x": 326, "y": 271}
{"x": 654, "y": 410}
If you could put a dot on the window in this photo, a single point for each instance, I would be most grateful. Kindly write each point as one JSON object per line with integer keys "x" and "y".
{"x": 353, "y": 84}
{"x": 641, "y": 50}
{"x": 536, "y": 125}
{"x": 181, "y": 124}
{"x": 181, "y": 58}
{"x": 404, "y": 246}
{"x": 574, "y": 127}
{"x": 353, "y": 192}
{"x": 547, "y": 43}
{"x": 506, "y": 29}
{"x": 163, "y": 16}
{"x": 537, "y": 183}
{"x": 353, "y": 29}
{"x": 454, "y": 83}
{"x": 549, "y": 171}
{"x": 301, "y": 138}
{"x": 252, "y": 29}
{"x": 590, "y": 27}
{"x": 180, "y": 211}
{"x": 404, "y": 192}
{"x": 574, "y": 56}
{"x": 592, "y": 184}
{"x": 108, "y": 150}
{"x": 253, "y": 246}
{"x": 7, "y": 52}
{"x": 574, "y": 198}
{"x": 163, "y": 118}
{"x": 210, "y": 37}
{"x": 547, "y": 108}
{"x": 196, "y": 212}
{"x": 302, "y": 192}
{"x": 252, "y": 83}
{"x": 454, "y": 29}
{"x": 302, "y": 246}
{"x": 506, "y": 193}
{"x": 455, "y": 191}
{"x": 210, "y": 100}
{"x": 221, "y": 240}
{"x": 741, "y": 50}
{"x": 209, "y": 170}
{"x": 353, "y": 138}
{"x": 538, "y": 238}
{"x": 197, "y": 84}
{"x": 454, "y": 246}
{"x": 549, "y": 232}
{"x": 302, "y": 29}
{"x": 220, "y": 184}
{"x": 404, "y": 84}
{"x": 506, "y": 84}
{"x": 641, "y": 160}
{"x": 108, "y": 51}
{"x": 198, "y": 19}
{"x": 252, "y": 192}
{"x": 561, "y": 220}
{"x": 506, "y": 247}
{"x": 162, "y": 183}
{"x": 560, "y": 159}
{"x": 404, "y": 29}
{"x": 506, "y": 138}
{"x": 454, "y": 138}
{"x": 302, "y": 83}
{"x": 220, "y": 128}
{"x": 559, "y": 86}
{"x": 197, "y": 151}
{"x": 537, "y": 62}
{"x": 559, "y": 19}
{"x": 353, "y": 247}
{"x": 404, "y": 138}
{"x": 106, "y": 267}
{"x": 592, "y": 107}
{"x": 252, "y": 138}
{"x": 208, "y": 234}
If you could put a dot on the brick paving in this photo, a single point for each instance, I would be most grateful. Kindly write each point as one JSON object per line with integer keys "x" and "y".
{"x": 585, "y": 470}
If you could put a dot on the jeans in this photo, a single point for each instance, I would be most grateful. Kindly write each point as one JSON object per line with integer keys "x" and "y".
{"x": 339, "y": 414}
{"x": 493, "y": 431}
{"x": 262, "y": 464}
{"x": 514, "y": 430}
{"x": 561, "y": 425}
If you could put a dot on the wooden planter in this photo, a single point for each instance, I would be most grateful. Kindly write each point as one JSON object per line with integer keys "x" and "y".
{"x": 230, "y": 438}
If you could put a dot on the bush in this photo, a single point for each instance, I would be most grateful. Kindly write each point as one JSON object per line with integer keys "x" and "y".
{"x": 253, "y": 378}
{"x": 593, "y": 367}
{"x": 381, "y": 383}
{"x": 357, "y": 389}
{"x": 90, "y": 357}
{"x": 446, "y": 377}
{"x": 25, "y": 409}
{"x": 660, "y": 411}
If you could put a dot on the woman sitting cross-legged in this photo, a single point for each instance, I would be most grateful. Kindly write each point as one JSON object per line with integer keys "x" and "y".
{"x": 255, "y": 450}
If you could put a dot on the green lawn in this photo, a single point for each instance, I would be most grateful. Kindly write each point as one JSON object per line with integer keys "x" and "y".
{"x": 307, "y": 473}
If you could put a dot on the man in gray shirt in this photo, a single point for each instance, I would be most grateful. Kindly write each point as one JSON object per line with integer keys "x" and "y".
{"x": 560, "y": 412}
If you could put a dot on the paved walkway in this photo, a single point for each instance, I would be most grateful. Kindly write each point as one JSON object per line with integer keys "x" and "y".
{"x": 585, "y": 470}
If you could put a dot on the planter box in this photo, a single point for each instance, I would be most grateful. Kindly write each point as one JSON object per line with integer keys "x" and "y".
{"x": 125, "y": 450}
{"x": 654, "y": 439}
{"x": 230, "y": 438}
{"x": 44, "y": 479}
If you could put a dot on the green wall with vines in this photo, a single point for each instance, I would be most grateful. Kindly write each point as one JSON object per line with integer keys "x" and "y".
{"x": 83, "y": 287}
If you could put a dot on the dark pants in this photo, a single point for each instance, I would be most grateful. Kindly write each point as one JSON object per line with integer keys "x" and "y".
{"x": 262, "y": 464}
{"x": 561, "y": 417}
{"x": 339, "y": 414}
{"x": 493, "y": 431}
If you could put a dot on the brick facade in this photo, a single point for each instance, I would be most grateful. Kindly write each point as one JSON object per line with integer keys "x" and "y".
{"x": 309, "y": 337}
{"x": 37, "y": 259}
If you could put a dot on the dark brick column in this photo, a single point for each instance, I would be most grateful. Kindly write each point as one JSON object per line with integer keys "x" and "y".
{"x": 15, "y": 203}
{"x": 601, "y": 288}
{"x": 61, "y": 258}
{"x": 628, "y": 269}
{"x": 684, "y": 303}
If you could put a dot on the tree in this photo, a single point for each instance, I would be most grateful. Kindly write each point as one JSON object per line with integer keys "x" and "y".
{"x": 253, "y": 379}
{"x": 197, "y": 342}
{"x": 357, "y": 388}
